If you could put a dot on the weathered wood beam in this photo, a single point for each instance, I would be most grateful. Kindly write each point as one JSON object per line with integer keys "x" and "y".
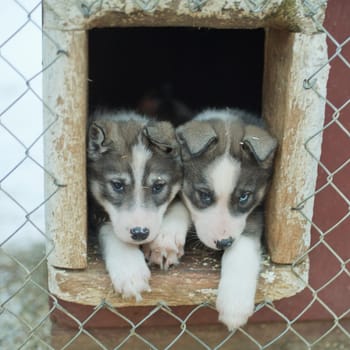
{"x": 292, "y": 15}
{"x": 65, "y": 109}
{"x": 295, "y": 115}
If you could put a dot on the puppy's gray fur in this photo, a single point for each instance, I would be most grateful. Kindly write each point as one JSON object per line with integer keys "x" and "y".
{"x": 228, "y": 159}
{"x": 134, "y": 173}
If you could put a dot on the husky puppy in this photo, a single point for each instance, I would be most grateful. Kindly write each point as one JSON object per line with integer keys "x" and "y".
{"x": 134, "y": 174}
{"x": 227, "y": 158}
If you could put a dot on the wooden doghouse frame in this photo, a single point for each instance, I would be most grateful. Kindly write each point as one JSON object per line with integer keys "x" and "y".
{"x": 294, "y": 49}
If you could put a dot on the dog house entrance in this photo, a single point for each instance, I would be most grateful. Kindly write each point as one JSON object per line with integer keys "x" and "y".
{"x": 172, "y": 73}
{"x": 199, "y": 67}
{"x": 152, "y": 70}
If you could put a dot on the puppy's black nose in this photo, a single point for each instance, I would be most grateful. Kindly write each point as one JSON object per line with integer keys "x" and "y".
{"x": 139, "y": 233}
{"x": 224, "y": 243}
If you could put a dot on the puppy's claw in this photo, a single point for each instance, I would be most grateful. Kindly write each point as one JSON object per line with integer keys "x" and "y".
{"x": 171, "y": 260}
{"x": 164, "y": 258}
{"x": 163, "y": 253}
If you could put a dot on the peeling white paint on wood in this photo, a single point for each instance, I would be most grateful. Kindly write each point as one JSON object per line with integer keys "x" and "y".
{"x": 294, "y": 115}
{"x": 208, "y": 291}
{"x": 65, "y": 109}
{"x": 268, "y": 276}
{"x": 87, "y": 14}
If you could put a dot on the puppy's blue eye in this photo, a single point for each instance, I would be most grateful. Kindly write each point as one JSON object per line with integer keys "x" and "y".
{"x": 118, "y": 186}
{"x": 243, "y": 199}
{"x": 205, "y": 197}
{"x": 158, "y": 187}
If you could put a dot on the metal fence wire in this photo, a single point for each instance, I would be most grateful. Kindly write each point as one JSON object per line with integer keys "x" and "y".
{"x": 26, "y": 303}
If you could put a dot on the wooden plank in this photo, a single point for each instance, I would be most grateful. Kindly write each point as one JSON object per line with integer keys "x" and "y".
{"x": 78, "y": 15}
{"x": 193, "y": 281}
{"x": 65, "y": 108}
{"x": 294, "y": 115}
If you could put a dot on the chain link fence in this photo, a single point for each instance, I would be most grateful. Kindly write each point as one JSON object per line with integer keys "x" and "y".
{"x": 26, "y": 303}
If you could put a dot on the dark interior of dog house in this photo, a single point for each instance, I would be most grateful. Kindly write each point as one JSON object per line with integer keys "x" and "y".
{"x": 173, "y": 73}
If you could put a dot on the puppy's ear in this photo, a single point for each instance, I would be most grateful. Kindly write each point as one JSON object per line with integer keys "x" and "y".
{"x": 260, "y": 144}
{"x": 162, "y": 136}
{"x": 195, "y": 138}
{"x": 96, "y": 141}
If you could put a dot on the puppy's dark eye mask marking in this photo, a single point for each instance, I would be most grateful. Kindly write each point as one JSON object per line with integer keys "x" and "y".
{"x": 158, "y": 186}
{"x": 244, "y": 198}
{"x": 118, "y": 185}
{"x": 206, "y": 197}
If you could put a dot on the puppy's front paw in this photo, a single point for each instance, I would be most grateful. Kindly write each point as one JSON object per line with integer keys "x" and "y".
{"x": 165, "y": 250}
{"x": 234, "y": 308}
{"x": 131, "y": 280}
{"x": 125, "y": 264}
{"x": 168, "y": 247}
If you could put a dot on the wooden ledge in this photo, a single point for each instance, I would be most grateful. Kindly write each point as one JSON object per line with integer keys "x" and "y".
{"x": 192, "y": 282}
